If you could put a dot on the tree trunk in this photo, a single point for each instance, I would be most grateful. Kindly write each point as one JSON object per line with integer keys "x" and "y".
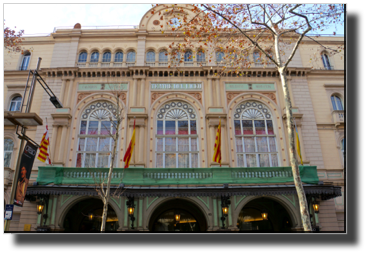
{"x": 104, "y": 214}
{"x": 293, "y": 160}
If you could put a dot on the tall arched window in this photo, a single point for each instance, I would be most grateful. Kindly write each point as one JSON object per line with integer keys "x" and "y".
{"x": 336, "y": 102}
{"x": 94, "y": 56}
{"x": 15, "y": 104}
{"x": 95, "y": 143}
{"x": 255, "y": 136}
{"x": 256, "y": 56}
{"x": 201, "y": 57}
{"x": 25, "y": 61}
{"x": 163, "y": 58}
{"x": 150, "y": 58}
{"x": 82, "y": 57}
{"x": 8, "y": 150}
{"x": 326, "y": 61}
{"x": 131, "y": 58}
{"x": 118, "y": 57}
{"x": 106, "y": 57}
{"x": 177, "y": 137}
{"x": 219, "y": 57}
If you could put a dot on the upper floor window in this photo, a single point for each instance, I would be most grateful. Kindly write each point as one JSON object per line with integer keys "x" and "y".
{"x": 343, "y": 149}
{"x": 106, "y": 57}
{"x": 201, "y": 56}
{"x": 118, "y": 57}
{"x": 188, "y": 56}
{"x": 82, "y": 57}
{"x": 174, "y": 22}
{"x": 336, "y": 102}
{"x": 131, "y": 56}
{"x": 176, "y": 137}
{"x": 8, "y": 150}
{"x": 95, "y": 144}
{"x": 163, "y": 56}
{"x": 255, "y": 136}
{"x": 256, "y": 56}
{"x": 326, "y": 61}
{"x": 94, "y": 56}
{"x": 150, "y": 56}
{"x": 25, "y": 61}
{"x": 15, "y": 104}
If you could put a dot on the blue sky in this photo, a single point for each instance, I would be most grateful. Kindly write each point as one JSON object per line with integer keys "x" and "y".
{"x": 38, "y": 19}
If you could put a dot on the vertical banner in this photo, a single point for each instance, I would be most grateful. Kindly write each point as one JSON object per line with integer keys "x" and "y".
{"x": 27, "y": 161}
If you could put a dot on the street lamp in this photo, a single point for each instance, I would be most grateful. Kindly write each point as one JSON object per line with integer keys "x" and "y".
{"x": 177, "y": 216}
{"x": 316, "y": 207}
{"x": 40, "y": 207}
{"x": 131, "y": 209}
{"x": 225, "y": 202}
{"x": 264, "y": 215}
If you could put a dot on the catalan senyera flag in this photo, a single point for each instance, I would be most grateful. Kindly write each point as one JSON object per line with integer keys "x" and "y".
{"x": 217, "y": 147}
{"x": 298, "y": 144}
{"x": 44, "y": 144}
{"x": 131, "y": 146}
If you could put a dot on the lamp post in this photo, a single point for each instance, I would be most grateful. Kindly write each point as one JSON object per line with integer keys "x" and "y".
{"x": 225, "y": 202}
{"x": 43, "y": 203}
{"x": 131, "y": 209}
{"x": 264, "y": 215}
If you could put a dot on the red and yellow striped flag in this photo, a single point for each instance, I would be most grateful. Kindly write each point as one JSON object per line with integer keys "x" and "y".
{"x": 217, "y": 147}
{"x": 131, "y": 146}
{"x": 43, "y": 154}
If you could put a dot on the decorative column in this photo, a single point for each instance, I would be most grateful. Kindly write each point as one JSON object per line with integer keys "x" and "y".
{"x": 53, "y": 143}
{"x": 69, "y": 98}
{"x": 142, "y": 92}
{"x": 218, "y": 96}
{"x": 211, "y": 146}
{"x": 62, "y": 94}
{"x": 210, "y": 92}
{"x": 62, "y": 144}
{"x": 141, "y": 144}
{"x": 134, "y": 88}
{"x": 224, "y": 146}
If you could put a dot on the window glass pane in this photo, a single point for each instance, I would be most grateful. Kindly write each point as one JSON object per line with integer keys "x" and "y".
{"x": 170, "y": 144}
{"x": 251, "y": 160}
{"x": 183, "y": 127}
{"x": 118, "y": 57}
{"x": 183, "y": 160}
{"x": 90, "y": 159}
{"x": 8, "y": 144}
{"x": 81, "y": 144}
{"x": 170, "y": 160}
{"x": 237, "y": 127}
{"x": 194, "y": 146}
{"x": 159, "y": 160}
{"x": 200, "y": 56}
{"x": 114, "y": 125}
{"x": 150, "y": 56}
{"x": 82, "y": 57}
{"x": 188, "y": 56}
{"x": 264, "y": 160}
{"x": 183, "y": 144}
{"x": 7, "y": 157}
{"x": 160, "y": 144}
{"x": 262, "y": 144}
{"x": 240, "y": 162}
{"x": 91, "y": 144}
{"x": 13, "y": 106}
{"x": 272, "y": 144}
{"x": 270, "y": 127}
{"x": 339, "y": 103}
{"x": 18, "y": 106}
{"x": 104, "y": 144}
{"x": 256, "y": 56}
{"x": 239, "y": 147}
{"x": 247, "y": 126}
{"x": 105, "y": 127}
{"x": 159, "y": 127}
{"x": 163, "y": 56}
{"x": 194, "y": 157}
{"x": 193, "y": 127}
{"x": 102, "y": 161}
{"x": 83, "y": 127}
{"x": 249, "y": 143}
{"x": 131, "y": 56}
{"x": 94, "y": 57}
{"x": 106, "y": 57}
{"x": 274, "y": 160}
{"x": 170, "y": 128}
{"x": 79, "y": 160}
{"x": 260, "y": 127}
{"x": 93, "y": 128}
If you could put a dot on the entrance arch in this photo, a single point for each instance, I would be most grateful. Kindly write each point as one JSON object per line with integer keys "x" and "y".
{"x": 250, "y": 217}
{"x": 78, "y": 220}
{"x": 192, "y": 218}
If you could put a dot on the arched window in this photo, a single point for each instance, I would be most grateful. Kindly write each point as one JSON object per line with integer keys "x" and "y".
{"x": 94, "y": 56}
{"x": 8, "y": 150}
{"x": 15, "y": 104}
{"x": 255, "y": 136}
{"x": 343, "y": 150}
{"x": 256, "y": 56}
{"x": 219, "y": 57}
{"x": 118, "y": 57}
{"x": 188, "y": 58}
{"x": 177, "y": 137}
{"x": 131, "y": 58}
{"x": 269, "y": 61}
{"x": 106, "y": 57}
{"x": 336, "y": 102}
{"x": 201, "y": 57}
{"x": 150, "y": 58}
{"x": 25, "y": 61}
{"x": 326, "y": 61}
{"x": 82, "y": 57}
{"x": 163, "y": 58}
{"x": 95, "y": 144}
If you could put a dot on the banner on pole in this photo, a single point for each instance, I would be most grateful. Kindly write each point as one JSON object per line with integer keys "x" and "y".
{"x": 27, "y": 161}
{"x": 8, "y": 212}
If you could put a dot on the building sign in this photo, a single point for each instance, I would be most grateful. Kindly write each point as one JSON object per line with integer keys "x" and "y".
{"x": 27, "y": 161}
{"x": 8, "y": 212}
{"x": 176, "y": 86}
{"x": 246, "y": 86}
{"x": 112, "y": 87}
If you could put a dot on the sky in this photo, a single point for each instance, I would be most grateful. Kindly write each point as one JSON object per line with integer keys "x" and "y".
{"x": 41, "y": 19}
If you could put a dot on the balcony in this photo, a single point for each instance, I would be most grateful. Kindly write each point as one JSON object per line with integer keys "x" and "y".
{"x": 174, "y": 176}
{"x": 151, "y": 64}
{"x": 338, "y": 117}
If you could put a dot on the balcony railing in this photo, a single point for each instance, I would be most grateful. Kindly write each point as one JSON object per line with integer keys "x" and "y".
{"x": 129, "y": 64}
{"x": 93, "y": 64}
{"x": 338, "y": 117}
{"x": 151, "y": 64}
{"x": 117, "y": 64}
{"x": 105, "y": 64}
{"x": 174, "y": 176}
{"x": 163, "y": 63}
{"x": 188, "y": 63}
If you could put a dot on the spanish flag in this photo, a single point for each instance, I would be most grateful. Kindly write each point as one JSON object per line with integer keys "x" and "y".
{"x": 43, "y": 154}
{"x": 131, "y": 146}
{"x": 298, "y": 143}
{"x": 217, "y": 147}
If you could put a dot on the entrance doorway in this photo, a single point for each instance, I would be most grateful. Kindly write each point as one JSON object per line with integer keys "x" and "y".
{"x": 190, "y": 219}
{"x": 251, "y": 219}
{"x": 85, "y": 216}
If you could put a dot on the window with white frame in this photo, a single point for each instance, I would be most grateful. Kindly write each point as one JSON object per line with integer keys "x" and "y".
{"x": 255, "y": 136}
{"x": 131, "y": 56}
{"x": 219, "y": 57}
{"x": 82, "y": 57}
{"x": 25, "y": 61}
{"x": 15, "y": 104}
{"x": 94, "y": 56}
{"x": 336, "y": 102}
{"x": 94, "y": 141}
{"x": 106, "y": 57}
{"x": 163, "y": 58}
{"x": 343, "y": 150}
{"x": 201, "y": 57}
{"x": 176, "y": 136}
{"x": 326, "y": 61}
{"x": 256, "y": 56}
{"x": 8, "y": 150}
{"x": 118, "y": 56}
{"x": 150, "y": 56}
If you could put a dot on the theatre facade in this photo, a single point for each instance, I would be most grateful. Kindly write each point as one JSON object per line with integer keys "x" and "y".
{"x": 172, "y": 183}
